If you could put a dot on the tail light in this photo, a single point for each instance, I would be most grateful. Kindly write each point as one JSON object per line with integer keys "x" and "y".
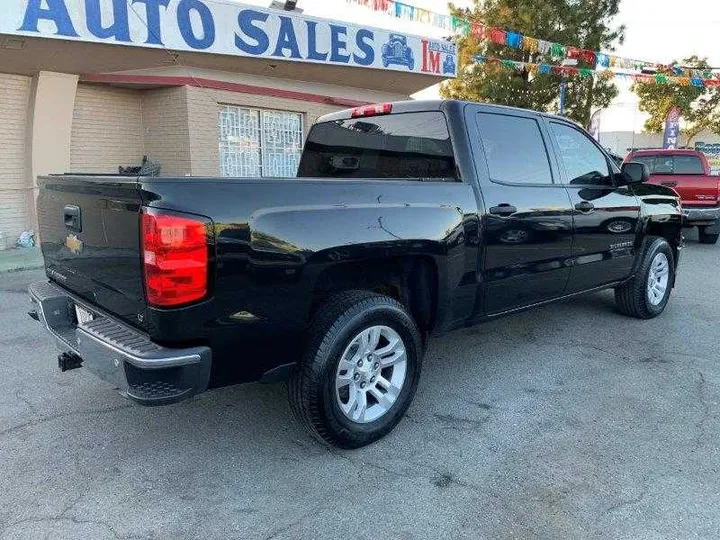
{"x": 371, "y": 110}
{"x": 175, "y": 259}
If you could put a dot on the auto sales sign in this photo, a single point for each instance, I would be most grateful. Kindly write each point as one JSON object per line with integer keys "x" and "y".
{"x": 223, "y": 27}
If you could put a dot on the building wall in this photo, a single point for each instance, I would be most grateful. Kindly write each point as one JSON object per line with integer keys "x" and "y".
{"x": 166, "y": 130}
{"x": 15, "y": 188}
{"x": 107, "y": 129}
{"x": 203, "y": 113}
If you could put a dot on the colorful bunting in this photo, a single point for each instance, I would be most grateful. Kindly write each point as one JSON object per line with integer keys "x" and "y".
{"x": 585, "y": 73}
{"x": 516, "y": 40}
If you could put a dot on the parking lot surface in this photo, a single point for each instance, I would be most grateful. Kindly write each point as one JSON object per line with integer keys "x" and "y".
{"x": 569, "y": 421}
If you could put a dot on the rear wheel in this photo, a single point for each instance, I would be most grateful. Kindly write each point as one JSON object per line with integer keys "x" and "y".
{"x": 707, "y": 238}
{"x": 360, "y": 370}
{"x": 646, "y": 295}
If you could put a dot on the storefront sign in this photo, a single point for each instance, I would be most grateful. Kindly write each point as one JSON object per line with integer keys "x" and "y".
{"x": 226, "y": 28}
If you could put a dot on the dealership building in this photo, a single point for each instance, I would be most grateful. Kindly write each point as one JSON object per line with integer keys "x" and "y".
{"x": 205, "y": 88}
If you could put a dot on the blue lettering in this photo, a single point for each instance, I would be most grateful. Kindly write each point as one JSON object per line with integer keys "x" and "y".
{"x": 287, "y": 39}
{"x": 119, "y": 29}
{"x": 338, "y": 46}
{"x": 246, "y": 18}
{"x": 364, "y": 40}
{"x": 152, "y": 10}
{"x": 313, "y": 53}
{"x": 208, "y": 23}
{"x": 56, "y": 12}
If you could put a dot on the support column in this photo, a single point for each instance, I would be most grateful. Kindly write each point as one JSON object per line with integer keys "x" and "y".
{"x": 50, "y": 116}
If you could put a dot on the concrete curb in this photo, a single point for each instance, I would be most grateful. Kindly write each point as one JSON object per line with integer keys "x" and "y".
{"x": 18, "y": 260}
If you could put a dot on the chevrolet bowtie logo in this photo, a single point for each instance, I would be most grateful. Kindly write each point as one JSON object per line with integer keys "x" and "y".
{"x": 74, "y": 244}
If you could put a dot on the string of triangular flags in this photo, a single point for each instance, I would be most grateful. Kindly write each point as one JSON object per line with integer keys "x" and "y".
{"x": 516, "y": 40}
{"x": 583, "y": 73}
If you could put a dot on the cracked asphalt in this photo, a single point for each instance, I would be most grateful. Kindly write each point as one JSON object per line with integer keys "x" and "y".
{"x": 565, "y": 422}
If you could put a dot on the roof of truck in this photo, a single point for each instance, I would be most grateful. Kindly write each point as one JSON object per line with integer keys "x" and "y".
{"x": 424, "y": 105}
{"x": 675, "y": 151}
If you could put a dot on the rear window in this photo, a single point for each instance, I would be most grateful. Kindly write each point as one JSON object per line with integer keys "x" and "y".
{"x": 671, "y": 163}
{"x": 397, "y": 146}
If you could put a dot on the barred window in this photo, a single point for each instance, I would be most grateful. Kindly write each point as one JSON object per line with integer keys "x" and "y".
{"x": 259, "y": 143}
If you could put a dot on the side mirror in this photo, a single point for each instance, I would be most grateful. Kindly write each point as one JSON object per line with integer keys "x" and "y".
{"x": 635, "y": 173}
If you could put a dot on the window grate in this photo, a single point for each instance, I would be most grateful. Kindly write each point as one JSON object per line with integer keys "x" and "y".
{"x": 259, "y": 143}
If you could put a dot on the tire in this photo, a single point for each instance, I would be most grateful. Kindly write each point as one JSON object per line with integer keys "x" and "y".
{"x": 635, "y": 298}
{"x": 707, "y": 238}
{"x": 318, "y": 386}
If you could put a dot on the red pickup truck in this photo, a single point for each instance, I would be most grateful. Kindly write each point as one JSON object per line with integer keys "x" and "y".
{"x": 688, "y": 173}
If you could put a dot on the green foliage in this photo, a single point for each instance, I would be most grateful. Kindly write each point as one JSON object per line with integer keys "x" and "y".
{"x": 583, "y": 23}
{"x": 700, "y": 107}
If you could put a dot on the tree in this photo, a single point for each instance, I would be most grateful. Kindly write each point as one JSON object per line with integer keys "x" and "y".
{"x": 699, "y": 106}
{"x": 582, "y": 23}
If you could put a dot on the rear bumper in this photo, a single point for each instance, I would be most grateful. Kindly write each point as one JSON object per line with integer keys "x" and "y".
{"x": 701, "y": 216}
{"x": 140, "y": 369}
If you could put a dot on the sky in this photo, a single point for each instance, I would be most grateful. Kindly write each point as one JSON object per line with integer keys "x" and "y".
{"x": 656, "y": 31}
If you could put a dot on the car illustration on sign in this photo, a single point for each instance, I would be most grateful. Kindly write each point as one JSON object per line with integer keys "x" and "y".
{"x": 396, "y": 51}
{"x": 449, "y": 65}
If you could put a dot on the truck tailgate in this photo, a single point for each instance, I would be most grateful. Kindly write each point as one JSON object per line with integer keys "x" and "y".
{"x": 90, "y": 238}
{"x": 694, "y": 189}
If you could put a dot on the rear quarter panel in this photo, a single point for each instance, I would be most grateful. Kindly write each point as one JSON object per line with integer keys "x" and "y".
{"x": 276, "y": 237}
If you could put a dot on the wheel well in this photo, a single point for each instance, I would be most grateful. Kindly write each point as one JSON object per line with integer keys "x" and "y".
{"x": 670, "y": 232}
{"x": 412, "y": 281}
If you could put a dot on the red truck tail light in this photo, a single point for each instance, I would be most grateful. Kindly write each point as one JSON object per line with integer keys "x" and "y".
{"x": 371, "y": 110}
{"x": 175, "y": 259}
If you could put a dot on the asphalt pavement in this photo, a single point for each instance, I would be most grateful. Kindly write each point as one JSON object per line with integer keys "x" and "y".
{"x": 569, "y": 421}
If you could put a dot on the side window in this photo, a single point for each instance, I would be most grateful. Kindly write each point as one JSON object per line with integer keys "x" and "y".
{"x": 514, "y": 149}
{"x": 584, "y": 163}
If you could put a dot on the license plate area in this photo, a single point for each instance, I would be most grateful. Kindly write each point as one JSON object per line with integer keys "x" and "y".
{"x": 83, "y": 316}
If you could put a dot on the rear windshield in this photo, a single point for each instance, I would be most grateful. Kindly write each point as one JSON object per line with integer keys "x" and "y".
{"x": 397, "y": 146}
{"x": 671, "y": 163}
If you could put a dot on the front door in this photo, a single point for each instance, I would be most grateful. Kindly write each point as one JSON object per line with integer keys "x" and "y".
{"x": 528, "y": 222}
{"x": 605, "y": 217}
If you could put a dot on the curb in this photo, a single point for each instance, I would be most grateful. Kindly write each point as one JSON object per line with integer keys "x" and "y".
{"x": 23, "y": 268}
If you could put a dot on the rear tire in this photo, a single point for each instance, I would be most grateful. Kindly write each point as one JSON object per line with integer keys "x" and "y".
{"x": 707, "y": 238}
{"x": 647, "y": 293}
{"x": 324, "y": 391}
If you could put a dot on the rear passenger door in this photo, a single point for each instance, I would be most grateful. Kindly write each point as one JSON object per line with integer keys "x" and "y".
{"x": 605, "y": 217}
{"x": 527, "y": 226}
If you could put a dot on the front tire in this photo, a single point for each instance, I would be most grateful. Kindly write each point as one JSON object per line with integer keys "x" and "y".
{"x": 647, "y": 293}
{"x": 360, "y": 369}
{"x": 707, "y": 238}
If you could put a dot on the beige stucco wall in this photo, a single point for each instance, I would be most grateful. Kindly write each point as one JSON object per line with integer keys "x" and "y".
{"x": 15, "y": 187}
{"x": 107, "y": 129}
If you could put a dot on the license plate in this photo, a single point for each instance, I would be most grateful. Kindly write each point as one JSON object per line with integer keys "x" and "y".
{"x": 83, "y": 315}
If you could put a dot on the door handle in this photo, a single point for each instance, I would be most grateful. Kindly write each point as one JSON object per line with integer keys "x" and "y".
{"x": 584, "y": 206}
{"x": 71, "y": 215}
{"x": 503, "y": 209}
{"x": 668, "y": 184}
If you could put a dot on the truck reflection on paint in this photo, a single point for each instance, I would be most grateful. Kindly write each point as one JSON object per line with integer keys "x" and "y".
{"x": 396, "y": 51}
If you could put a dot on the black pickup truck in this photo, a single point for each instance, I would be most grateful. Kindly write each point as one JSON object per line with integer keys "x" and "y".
{"x": 406, "y": 220}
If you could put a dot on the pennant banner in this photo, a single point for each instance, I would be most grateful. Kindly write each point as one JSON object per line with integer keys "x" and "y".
{"x": 515, "y": 40}
{"x": 583, "y": 73}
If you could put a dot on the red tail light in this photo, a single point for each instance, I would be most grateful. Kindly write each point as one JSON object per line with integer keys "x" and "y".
{"x": 371, "y": 110}
{"x": 175, "y": 259}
